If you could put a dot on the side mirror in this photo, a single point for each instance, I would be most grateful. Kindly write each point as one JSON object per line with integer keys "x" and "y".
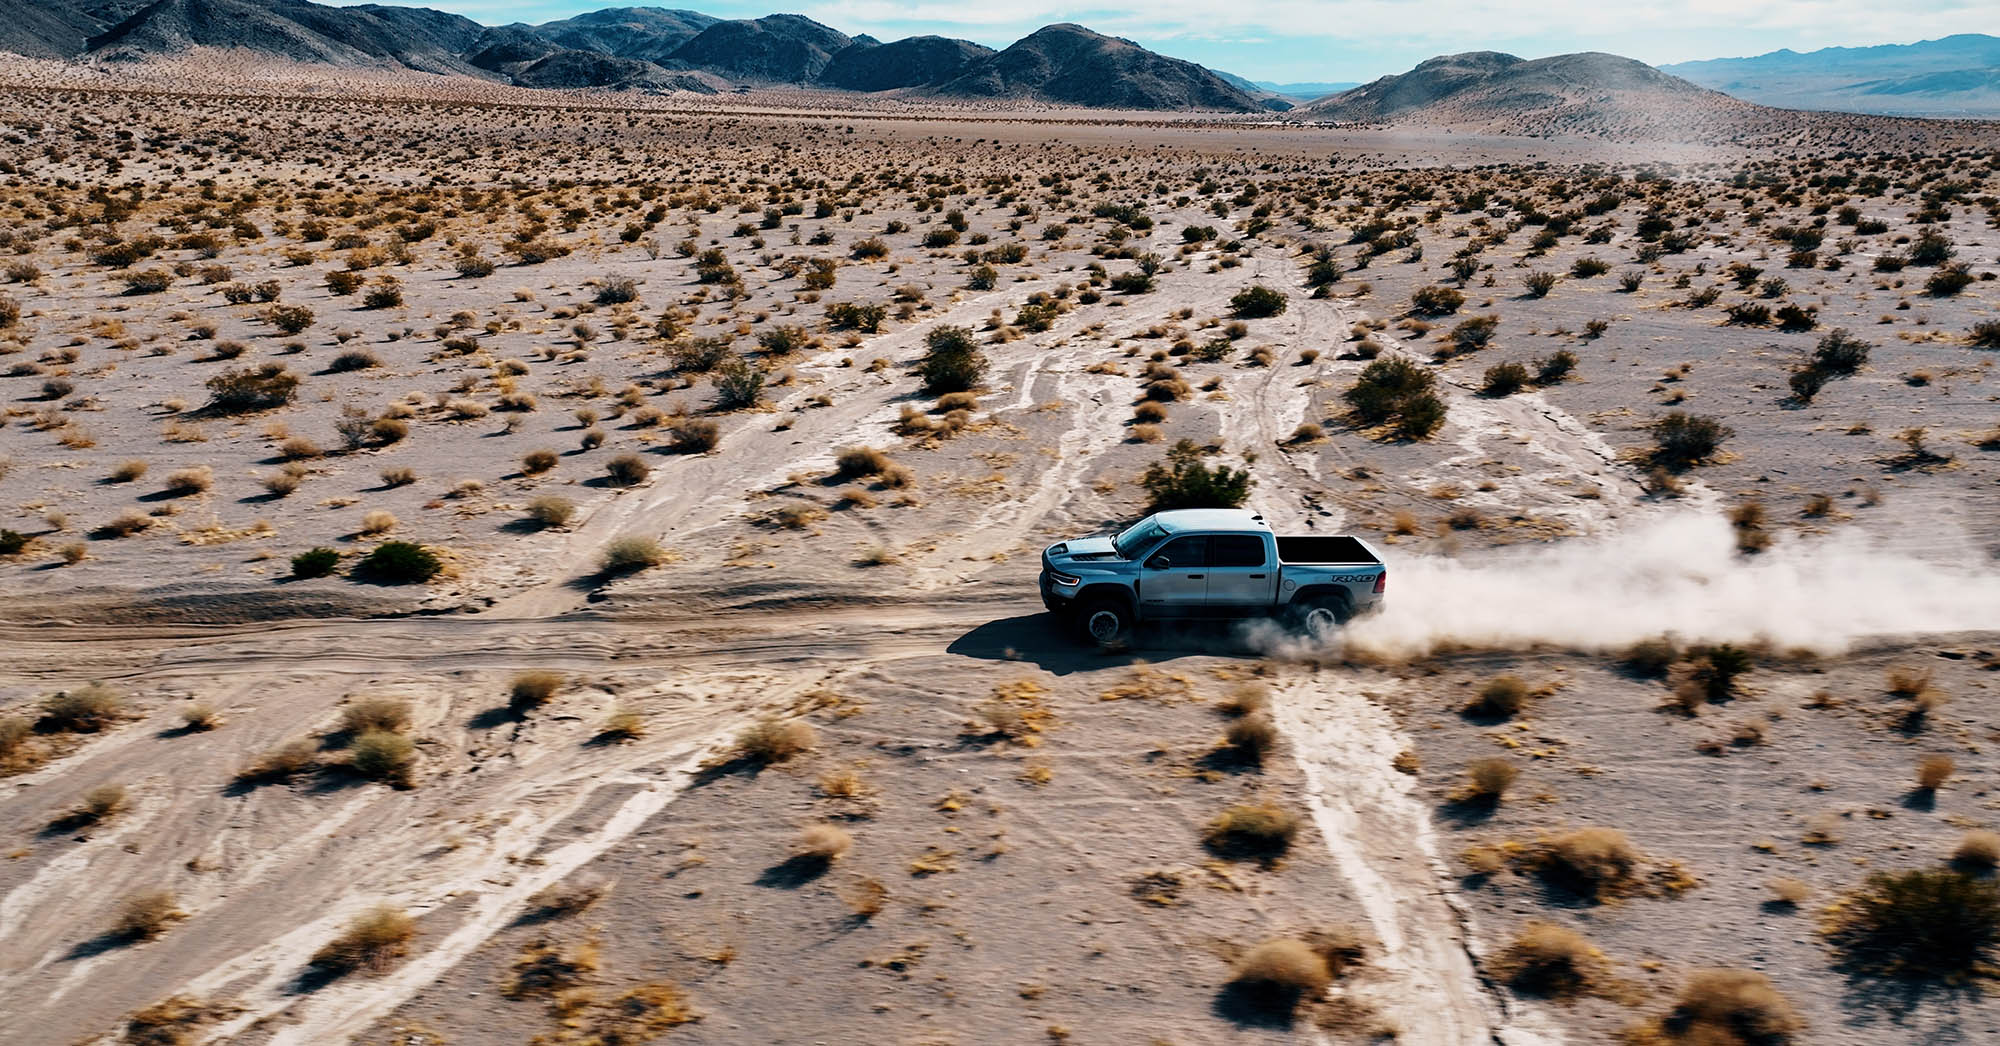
{"x": 1159, "y": 563}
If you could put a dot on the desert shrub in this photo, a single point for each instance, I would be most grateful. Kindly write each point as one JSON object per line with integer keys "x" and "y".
{"x": 1538, "y": 284}
{"x": 860, "y": 316}
{"x": 1245, "y": 699}
{"x": 1276, "y": 975}
{"x": 252, "y": 388}
{"x": 200, "y": 717}
{"x": 383, "y": 755}
{"x": 737, "y": 384}
{"x": 85, "y": 710}
{"x": 626, "y": 554}
{"x": 1979, "y": 850}
{"x": 1682, "y": 440}
{"x": 146, "y": 915}
{"x": 1709, "y": 675}
{"x": 1183, "y": 480}
{"x": 1473, "y": 333}
{"x": 375, "y": 713}
{"x": 1504, "y": 379}
{"x": 693, "y": 435}
{"x": 10, "y": 312}
{"x": 855, "y": 462}
{"x": 1489, "y": 779}
{"x": 1436, "y": 300}
{"x": 824, "y": 843}
{"x": 1650, "y": 658}
{"x": 291, "y": 319}
{"x": 1552, "y": 369}
{"x": 1502, "y": 696}
{"x": 627, "y": 470}
{"x": 1985, "y": 334}
{"x": 99, "y": 804}
{"x": 316, "y": 562}
{"x": 187, "y": 481}
{"x": 533, "y": 689}
{"x": 1721, "y": 1007}
{"x": 371, "y": 943}
{"x": 616, "y": 290}
{"x": 1795, "y": 318}
{"x": 536, "y": 462}
{"x": 1262, "y": 830}
{"x": 775, "y": 740}
{"x": 871, "y": 249}
{"x": 1922, "y": 923}
{"x": 400, "y": 563}
{"x": 1840, "y": 353}
{"x": 1948, "y": 280}
{"x": 1806, "y": 383}
{"x": 1258, "y": 301}
{"x": 353, "y": 360}
{"x": 952, "y": 361}
{"x": 1590, "y": 862}
{"x": 147, "y": 281}
{"x": 385, "y": 293}
{"x": 1252, "y": 737}
{"x": 12, "y": 542}
{"x": 1749, "y": 314}
{"x": 1934, "y": 770}
{"x": 1552, "y": 962}
{"x": 1931, "y": 247}
{"x": 281, "y": 763}
{"x": 1585, "y": 268}
{"x": 549, "y": 510}
{"x": 1397, "y": 389}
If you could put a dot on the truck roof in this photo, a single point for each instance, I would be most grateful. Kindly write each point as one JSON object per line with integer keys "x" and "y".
{"x": 1211, "y": 519}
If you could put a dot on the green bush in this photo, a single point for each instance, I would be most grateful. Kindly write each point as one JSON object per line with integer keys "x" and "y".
{"x": 1682, "y": 440}
{"x": 318, "y": 562}
{"x": 1505, "y": 379}
{"x": 1551, "y": 370}
{"x": 1395, "y": 389}
{"x": 860, "y": 316}
{"x": 627, "y": 554}
{"x": 1921, "y": 923}
{"x": 1258, "y": 301}
{"x": 400, "y": 563}
{"x": 1539, "y": 284}
{"x": 383, "y": 755}
{"x": 1436, "y": 300}
{"x": 952, "y": 361}
{"x": 1183, "y": 480}
{"x": 738, "y": 384}
{"x": 1840, "y": 352}
{"x": 1948, "y": 280}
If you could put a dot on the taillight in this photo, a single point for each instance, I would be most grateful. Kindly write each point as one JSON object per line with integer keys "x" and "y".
{"x": 1382, "y": 582}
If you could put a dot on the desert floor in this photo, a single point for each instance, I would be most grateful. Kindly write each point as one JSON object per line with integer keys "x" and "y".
{"x": 552, "y": 307}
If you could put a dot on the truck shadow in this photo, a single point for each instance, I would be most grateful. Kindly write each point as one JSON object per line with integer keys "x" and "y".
{"x": 1040, "y": 640}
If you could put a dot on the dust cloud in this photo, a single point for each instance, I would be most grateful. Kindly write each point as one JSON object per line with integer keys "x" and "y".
{"x": 1680, "y": 575}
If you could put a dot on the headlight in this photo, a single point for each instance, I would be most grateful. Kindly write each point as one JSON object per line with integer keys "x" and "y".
{"x": 1063, "y": 579}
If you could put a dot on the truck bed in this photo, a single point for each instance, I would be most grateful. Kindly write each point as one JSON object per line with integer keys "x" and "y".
{"x": 1316, "y": 549}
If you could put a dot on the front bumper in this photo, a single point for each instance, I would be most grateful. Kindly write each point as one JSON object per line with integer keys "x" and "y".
{"x": 1056, "y": 596}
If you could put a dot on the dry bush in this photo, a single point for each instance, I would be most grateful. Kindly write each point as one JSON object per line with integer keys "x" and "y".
{"x": 1591, "y": 862}
{"x": 1788, "y": 891}
{"x": 1488, "y": 779}
{"x": 1979, "y": 849}
{"x": 399, "y": 476}
{"x": 1252, "y": 737}
{"x": 1501, "y": 697}
{"x": 627, "y": 470}
{"x": 856, "y": 462}
{"x": 1553, "y": 962}
{"x": 201, "y": 717}
{"x": 282, "y": 763}
{"x": 627, "y": 554}
{"x": 822, "y": 842}
{"x": 1721, "y": 1007}
{"x": 377, "y": 522}
{"x": 1650, "y": 658}
{"x": 775, "y": 740}
{"x": 175, "y": 1021}
{"x": 187, "y": 481}
{"x": 1920, "y": 924}
{"x": 146, "y": 915}
{"x": 536, "y": 462}
{"x": 866, "y": 898}
{"x": 128, "y": 471}
{"x": 1278, "y": 974}
{"x": 693, "y": 435}
{"x": 550, "y": 510}
{"x": 1260, "y": 830}
{"x": 375, "y": 713}
{"x": 1908, "y": 681}
{"x": 383, "y": 756}
{"x": 533, "y": 689}
{"x": 1245, "y": 699}
{"x": 1933, "y": 771}
{"x": 371, "y": 943}
{"x": 624, "y": 724}
{"x": 85, "y": 710}
{"x": 99, "y": 804}
{"x": 561, "y": 900}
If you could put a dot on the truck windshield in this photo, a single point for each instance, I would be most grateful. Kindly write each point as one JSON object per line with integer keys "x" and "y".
{"x": 1136, "y": 537}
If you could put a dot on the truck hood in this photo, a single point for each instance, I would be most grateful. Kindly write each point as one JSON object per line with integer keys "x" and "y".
{"x": 1080, "y": 550}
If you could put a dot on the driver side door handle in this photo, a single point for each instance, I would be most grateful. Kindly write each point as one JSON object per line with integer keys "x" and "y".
{"x": 1196, "y": 577}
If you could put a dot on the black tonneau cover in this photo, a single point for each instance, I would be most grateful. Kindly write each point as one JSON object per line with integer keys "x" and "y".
{"x": 1314, "y": 549}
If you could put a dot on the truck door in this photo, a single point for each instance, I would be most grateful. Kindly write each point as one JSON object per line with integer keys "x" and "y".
{"x": 1241, "y": 577}
{"x": 1176, "y": 578}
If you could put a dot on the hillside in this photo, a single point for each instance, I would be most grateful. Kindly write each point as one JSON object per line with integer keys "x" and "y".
{"x": 1073, "y": 65}
{"x": 1953, "y": 76}
{"x": 430, "y": 41}
{"x": 644, "y": 33}
{"x": 1589, "y": 94}
{"x": 775, "y": 49}
{"x": 912, "y": 62}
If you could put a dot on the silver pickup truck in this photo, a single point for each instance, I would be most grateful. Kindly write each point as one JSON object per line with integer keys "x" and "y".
{"x": 1208, "y": 563}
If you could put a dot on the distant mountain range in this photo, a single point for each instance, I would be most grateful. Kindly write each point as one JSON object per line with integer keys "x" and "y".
{"x": 1954, "y": 76}
{"x": 657, "y": 49}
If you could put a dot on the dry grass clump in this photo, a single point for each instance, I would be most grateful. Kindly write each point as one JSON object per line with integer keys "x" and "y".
{"x": 533, "y": 689}
{"x": 1933, "y": 771}
{"x": 1788, "y": 891}
{"x": 375, "y": 713}
{"x": 85, "y": 710}
{"x": 549, "y": 510}
{"x": 1650, "y": 658}
{"x": 627, "y": 554}
{"x": 1500, "y": 698}
{"x": 1595, "y": 862}
{"x": 1262, "y": 831}
{"x": 1722, "y": 1007}
{"x": 384, "y": 756}
{"x": 129, "y": 471}
{"x": 1920, "y": 924}
{"x": 1979, "y": 850}
{"x": 857, "y": 462}
{"x": 1908, "y": 681}
{"x": 824, "y": 843}
{"x": 561, "y": 900}
{"x": 545, "y": 969}
{"x": 146, "y": 915}
{"x": 627, "y": 470}
{"x": 1275, "y": 976}
{"x": 1245, "y": 699}
{"x": 188, "y": 481}
{"x": 281, "y": 763}
{"x": 1553, "y": 962}
{"x": 175, "y": 1021}
{"x": 371, "y": 943}
{"x": 1251, "y": 738}
{"x": 776, "y": 740}
{"x": 1487, "y": 780}
{"x": 99, "y": 804}
{"x": 377, "y": 522}
{"x": 536, "y": 462}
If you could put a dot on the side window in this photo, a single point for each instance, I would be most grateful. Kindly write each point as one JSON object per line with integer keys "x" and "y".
{"x": 1238, "y": 550}
{"x": 1187, "y": 552}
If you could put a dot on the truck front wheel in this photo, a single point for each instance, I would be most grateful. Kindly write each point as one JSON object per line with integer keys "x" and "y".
{"x": 1104, "y": 622}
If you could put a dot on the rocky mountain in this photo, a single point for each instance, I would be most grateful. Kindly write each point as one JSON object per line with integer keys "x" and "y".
{"x": 913, "y": 62}
{"x": 786, "y": 49}
{"x": 645, "y": 33}
{"x": 1070, "y": 64}
{"x": 1953, "y": 76}
{"x": 1591, "y": 94}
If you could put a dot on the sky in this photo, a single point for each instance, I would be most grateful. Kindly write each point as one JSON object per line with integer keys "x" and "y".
{"x": 1324, "y": 41}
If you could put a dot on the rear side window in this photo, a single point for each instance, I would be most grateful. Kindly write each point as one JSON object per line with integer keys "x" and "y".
{"x": 1238, "y": 550}
{"x": 1186, "y": 552}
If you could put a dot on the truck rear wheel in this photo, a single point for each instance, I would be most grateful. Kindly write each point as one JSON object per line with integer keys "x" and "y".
{"x": 1320, "y": 617}
{"x": 1105, "y": 622}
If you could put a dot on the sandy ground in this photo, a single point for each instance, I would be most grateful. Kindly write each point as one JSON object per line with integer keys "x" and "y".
{"x": 1046, "y": 886}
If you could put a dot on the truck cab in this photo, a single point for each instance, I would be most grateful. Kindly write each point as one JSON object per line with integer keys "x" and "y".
{"x": 1208, "y": 563}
